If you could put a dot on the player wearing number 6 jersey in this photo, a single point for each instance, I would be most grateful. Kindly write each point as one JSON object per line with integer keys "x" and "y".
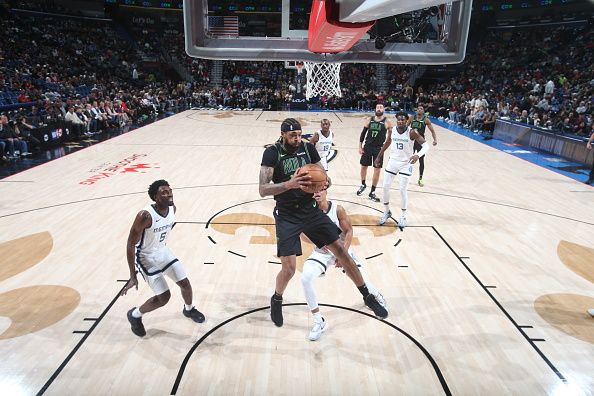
{"x": 419, "y": 121}
{"x": 322, "y": 140}
{"x": 147, "y": 252}
{"x": 400, "y": 163}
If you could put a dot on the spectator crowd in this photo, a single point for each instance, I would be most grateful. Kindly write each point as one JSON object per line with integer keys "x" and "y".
{"x": 543, "y": 78}
{"x": 92, "y": 76}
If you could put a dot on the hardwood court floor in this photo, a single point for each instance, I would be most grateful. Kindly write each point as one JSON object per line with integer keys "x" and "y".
{"x": 487, "y": 288}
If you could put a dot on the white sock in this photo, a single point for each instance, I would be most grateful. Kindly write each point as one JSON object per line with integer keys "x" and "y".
{"x": 403, "y": 213}
{"x": 188, "y": 307}
{"x": 317, "y": 317}
{"x": 136, "y": 313}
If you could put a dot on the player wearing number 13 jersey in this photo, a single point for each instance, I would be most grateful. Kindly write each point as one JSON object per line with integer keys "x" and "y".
{"x": 402, "y": 158}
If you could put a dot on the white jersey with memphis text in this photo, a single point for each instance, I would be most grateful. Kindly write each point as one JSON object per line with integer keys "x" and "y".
{"x": 154, "y": 238}
{"x": 402, "y": 146}
{"x": 153, "y": 258}
{"x": 323, "y": 146}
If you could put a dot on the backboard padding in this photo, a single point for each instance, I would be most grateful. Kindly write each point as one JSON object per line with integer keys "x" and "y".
{"x": 294, "y": 46}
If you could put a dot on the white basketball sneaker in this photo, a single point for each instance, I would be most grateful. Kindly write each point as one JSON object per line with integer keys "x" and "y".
{"x": 591, "y": 311}
{"x": 384, "y": 218}
{"x": 401, "y": 221}
{"x": 317, "y": 330}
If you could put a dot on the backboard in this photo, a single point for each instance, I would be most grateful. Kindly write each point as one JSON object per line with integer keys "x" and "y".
{"x": 280, "y": 31}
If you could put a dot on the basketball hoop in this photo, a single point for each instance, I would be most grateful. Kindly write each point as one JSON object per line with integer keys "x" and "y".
{"x": 322, "y": 78}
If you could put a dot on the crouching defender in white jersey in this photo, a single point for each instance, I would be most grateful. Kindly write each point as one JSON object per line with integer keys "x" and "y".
{"x": 401, "y": 162}
{"x": 322, "y": 259}
{"x": 322, "y": 140}
{"x": 146, "y": 251}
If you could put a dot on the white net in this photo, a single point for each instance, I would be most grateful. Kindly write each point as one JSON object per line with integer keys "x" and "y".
{"x": 322, "y": 79}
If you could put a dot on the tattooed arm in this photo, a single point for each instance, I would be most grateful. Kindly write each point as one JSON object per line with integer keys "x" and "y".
{"x": 267, "y": 188}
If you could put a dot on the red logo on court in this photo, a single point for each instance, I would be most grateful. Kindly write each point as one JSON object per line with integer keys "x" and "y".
{"x": 126, "y": 165}
{"x": 135, "y": 168}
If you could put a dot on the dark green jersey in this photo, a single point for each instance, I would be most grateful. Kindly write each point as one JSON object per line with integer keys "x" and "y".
{"x": 376, "y": 133}
{"x": 419, "y": 125}
{"x": 285, "y": 164}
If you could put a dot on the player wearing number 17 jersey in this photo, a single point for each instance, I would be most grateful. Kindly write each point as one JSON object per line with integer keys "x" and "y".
{"x": 402, "y": 158}
{"x": 374, "y": 135}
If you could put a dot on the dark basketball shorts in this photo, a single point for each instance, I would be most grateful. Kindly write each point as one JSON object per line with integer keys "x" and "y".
{"x": 369, "y": 155}
{"x": 292, "y": 220}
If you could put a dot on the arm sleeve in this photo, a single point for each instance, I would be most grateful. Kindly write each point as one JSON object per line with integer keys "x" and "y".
{"x": 423, "y": 150}
{"x": 363, "y": 133}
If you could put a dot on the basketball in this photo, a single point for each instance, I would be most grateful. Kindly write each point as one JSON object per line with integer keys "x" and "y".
{"x": 318, "y": 177}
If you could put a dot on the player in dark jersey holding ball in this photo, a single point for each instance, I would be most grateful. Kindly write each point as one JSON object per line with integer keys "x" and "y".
{"x": 419, "y": 121}
{"x": 374, "y": 136}
{"x": 297, "y": 211}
